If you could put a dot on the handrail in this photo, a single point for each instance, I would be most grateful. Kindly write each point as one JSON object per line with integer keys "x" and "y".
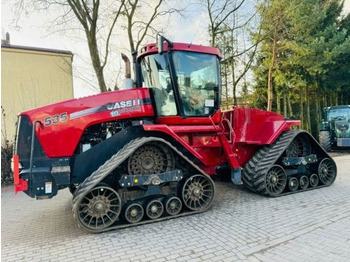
{"x": 32, "y": 147}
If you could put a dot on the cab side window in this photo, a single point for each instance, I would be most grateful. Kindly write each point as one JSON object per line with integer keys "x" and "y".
{"x": 156, "y": 75}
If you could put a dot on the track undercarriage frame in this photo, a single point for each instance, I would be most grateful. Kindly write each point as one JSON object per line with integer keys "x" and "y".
{"x": 100, "y": 205}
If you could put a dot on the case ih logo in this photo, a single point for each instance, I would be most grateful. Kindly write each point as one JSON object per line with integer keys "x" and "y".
{"x": 116, "y": 108}
{"x": 123, "y": 104}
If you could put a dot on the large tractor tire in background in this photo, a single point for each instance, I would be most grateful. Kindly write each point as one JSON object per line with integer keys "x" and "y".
{"x": 325, "y": 140}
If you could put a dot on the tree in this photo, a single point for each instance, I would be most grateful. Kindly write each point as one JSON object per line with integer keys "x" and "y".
{"x": 87, "y": 13}
{"x": 228, "y": 31}
{"x": 96, "y": 19}
{"x": 99, "y": 21}
{"x": 319, "y": 45}
{"x": 140, "y": 16}
{"x": 303, "y": 53}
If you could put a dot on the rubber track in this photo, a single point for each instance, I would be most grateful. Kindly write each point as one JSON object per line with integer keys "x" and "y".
{"x": 254, "y": 171}
{"x": 104, "y": 170}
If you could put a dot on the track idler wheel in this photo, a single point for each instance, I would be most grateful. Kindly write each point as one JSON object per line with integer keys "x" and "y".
{"x": 133, "y": 213}
{"x": 154, "y": 209}
{"x": 198, "y": 192}
{"x": 304, "y": 182}
{"x": 327, "y": 171}
{"x": 293, "y": 184}
{"x": 99, "y": 208}
{"x": 276, "y": 180}
{"x": 173, "y": 205}
{"x": 314, "y": 180}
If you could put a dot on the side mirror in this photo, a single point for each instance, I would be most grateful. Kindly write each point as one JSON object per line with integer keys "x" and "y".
{"x": 160, "y": 41}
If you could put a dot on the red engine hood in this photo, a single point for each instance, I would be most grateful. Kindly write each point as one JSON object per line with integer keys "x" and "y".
{"x": 63, "y": 123}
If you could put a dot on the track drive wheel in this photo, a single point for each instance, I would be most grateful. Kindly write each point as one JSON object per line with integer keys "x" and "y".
{"x": 300, "y": 146}
{"x": 151, "y": 158}
{"x": 276, "y": 180}
{"x": 198, "y": 192}
{"x": 99, "y": 208}
{"x": 327, "y": 171}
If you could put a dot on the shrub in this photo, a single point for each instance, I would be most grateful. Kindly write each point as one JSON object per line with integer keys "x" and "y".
{"x": 6, "y": 155}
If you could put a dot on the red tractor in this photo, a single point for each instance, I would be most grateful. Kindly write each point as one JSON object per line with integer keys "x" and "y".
{"x": 146, "y": 154}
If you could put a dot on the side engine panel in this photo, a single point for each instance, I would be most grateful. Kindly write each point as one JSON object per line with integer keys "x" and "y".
{"x": 62, "y": 125}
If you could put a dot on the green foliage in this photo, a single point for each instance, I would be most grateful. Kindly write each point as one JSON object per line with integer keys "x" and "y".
{"x": 312, "y": 56}
{"x": 6, "y": 155}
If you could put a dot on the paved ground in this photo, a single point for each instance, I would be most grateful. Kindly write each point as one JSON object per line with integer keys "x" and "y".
{"x": 241, "y": 226}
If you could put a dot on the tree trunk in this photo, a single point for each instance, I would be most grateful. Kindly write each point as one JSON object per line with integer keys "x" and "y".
{"x": 336, "y": 98}
{"x": 342, "y": 98}
{"x": 95, "y": 58}
{"x": 278, "y": 102}
{"x": 234, "y": 84}
{"x": 308, "y": 118}
{"x": 226, "y": 87}
{"x": 285, "y": 113}
{"x": 318, "y": 112}
{"x": 271, "y": 72}
{"x": 301, "y": 106}
{"x": 289, "y": 106}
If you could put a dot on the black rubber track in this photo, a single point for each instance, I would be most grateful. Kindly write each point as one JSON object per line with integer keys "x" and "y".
{"x": 96, "y": 177}
{"x": 254, "y": 172}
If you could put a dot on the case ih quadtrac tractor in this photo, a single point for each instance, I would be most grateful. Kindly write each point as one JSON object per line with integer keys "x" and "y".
{"x": 146, "y": 154}
{"x": 335, "y": 127}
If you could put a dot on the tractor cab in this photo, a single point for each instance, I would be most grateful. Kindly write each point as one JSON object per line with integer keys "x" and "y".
{"x": 184, "y": 78}
{"x": 335, "y": 127}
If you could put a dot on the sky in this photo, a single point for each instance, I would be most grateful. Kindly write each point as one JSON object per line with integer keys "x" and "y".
{"x": 30, "y": 31}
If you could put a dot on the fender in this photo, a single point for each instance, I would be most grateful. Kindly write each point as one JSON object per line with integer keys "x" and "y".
{"x": 87, "y": 162}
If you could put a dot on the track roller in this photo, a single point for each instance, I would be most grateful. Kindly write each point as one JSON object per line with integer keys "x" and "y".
{"x": 133, "y": 213}
{"x": 314, "y": 180}
{"x": 304, "y": 182}
{"x": 154, "y": 209}
{"x": 293, "y": 184}
{"x": 173, "y": 205}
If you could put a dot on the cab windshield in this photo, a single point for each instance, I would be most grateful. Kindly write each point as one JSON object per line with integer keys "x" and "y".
{"x": 339, "y": 114}
{"x": 196, "y": 76}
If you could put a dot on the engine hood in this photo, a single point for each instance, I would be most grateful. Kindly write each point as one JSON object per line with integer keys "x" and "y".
{"x": 62, "y": 124}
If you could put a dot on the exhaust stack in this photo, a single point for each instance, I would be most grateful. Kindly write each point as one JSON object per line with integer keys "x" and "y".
{"x": 128, "y": 83}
